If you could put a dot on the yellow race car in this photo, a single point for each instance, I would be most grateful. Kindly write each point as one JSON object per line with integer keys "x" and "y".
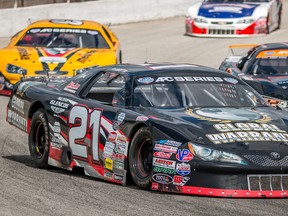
{"x": 57, "y": 48}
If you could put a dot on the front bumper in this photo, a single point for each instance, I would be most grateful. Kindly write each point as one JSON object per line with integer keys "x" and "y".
{"x": 255, "y": 175}
{"x": 229, "y": 185}
{"x": 5, "y": 86}
{"x": 223, "y": 30}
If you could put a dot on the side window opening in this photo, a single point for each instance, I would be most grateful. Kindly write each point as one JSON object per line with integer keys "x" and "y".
{"x": 108, "y": 88}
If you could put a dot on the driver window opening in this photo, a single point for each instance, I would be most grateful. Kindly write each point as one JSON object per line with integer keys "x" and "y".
{"x": 108, "y": 88}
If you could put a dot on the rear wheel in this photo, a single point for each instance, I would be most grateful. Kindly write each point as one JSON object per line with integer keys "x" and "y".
{"x": 140, "y": 158}
{"x": 39, "y": 139}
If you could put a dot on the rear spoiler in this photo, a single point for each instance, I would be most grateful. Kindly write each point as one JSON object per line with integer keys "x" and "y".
{"x": 240, "y": 49}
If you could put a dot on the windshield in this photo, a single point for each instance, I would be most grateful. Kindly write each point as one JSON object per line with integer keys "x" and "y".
{"x": 63, "y": 38}
{"x": 197, "y": 94}
{"x": 271, "y": 66}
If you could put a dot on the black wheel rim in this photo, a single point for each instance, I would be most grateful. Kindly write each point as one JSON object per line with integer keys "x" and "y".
{"x": 39, "y": 140}
{"x": 142, "y": 161}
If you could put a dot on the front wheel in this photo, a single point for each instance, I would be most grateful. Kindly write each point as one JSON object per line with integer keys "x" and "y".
{"x": 39, "y": 139}
{"x": 140, "y": 158}
{"x": 279, "y": 18}
{"x": 267, "y": 25}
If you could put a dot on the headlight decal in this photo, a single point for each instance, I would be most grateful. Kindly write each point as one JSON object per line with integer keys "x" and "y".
{"x": 200, "y": 20}
{"x": 208, "y": 154}
{"x": 15, "y": 69}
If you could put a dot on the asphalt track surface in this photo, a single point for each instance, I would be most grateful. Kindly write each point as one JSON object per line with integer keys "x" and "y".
{"x": 27, "y": 190}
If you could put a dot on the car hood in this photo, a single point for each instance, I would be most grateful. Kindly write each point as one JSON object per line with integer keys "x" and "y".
{"x": 53, "y": 59}
{"x": 226, "y": 10}
{"x": 230, "y": 127}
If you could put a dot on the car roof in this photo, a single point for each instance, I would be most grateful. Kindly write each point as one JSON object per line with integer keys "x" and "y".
{"x": 269, "y": 46}
{"x": 85, "y": 24}
{"x": 158, "y": 68}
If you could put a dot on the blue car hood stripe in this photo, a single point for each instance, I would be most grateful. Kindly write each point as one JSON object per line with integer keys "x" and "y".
{"x": 224, "y": 10}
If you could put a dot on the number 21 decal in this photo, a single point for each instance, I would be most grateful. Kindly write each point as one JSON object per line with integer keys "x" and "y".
{"x": 89, "y": 123}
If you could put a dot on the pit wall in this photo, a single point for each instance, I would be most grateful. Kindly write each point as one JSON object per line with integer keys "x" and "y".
{"x": 103, "y": 11}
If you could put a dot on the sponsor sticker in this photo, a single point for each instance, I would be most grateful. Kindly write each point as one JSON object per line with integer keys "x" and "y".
{"x": 180, "y": 180}
{"x": 57, "y": 110}
{"x": 184, "y": 155}
{"x": 115, "y": 125}
{"x": 240, "y": 132}
{"x": 109, "y": 163}
{"x": 162, "y": 178}
{"x": 72, "y": 87}
{"x": 162, "y": 155}
{"x": 108, "y": 174}
{"x": 23, "y": 53}
{"x": 145, "y": 80}
{"x": 112, "y": 137}
{"x": 142, "y": 118}
{"x": 67, "y": 21}
{"x": 34, "y": 30}
{"x": 118, "y": 157}
{"x": 57, "y": 127}
{"x": 121, "y": 146}
{"x": 63, "y": 30}
{"x": 164, "y": 163}
{"x": 164, "y": 148}
{"x": 164, "y": 170}
{"x": 56, "y": 142}
{"x": 108, "y": 149}
{"x": 17, "y": 104}
{"x": 183, "y": 169}
{"x": 121, "y": 117}
{"x": 92, "y": 32}
{"x": 59, "y": 104}
{"x": 118, "y": 165}
{"x": 51, "y": 59}
{"x": 189, "y": 79}
{"x": 269, "y": 53}
{"x": 231, "y": 80}
{"x": 170, "y": 142}
{"x": 86, "y": 56}
{"x": 118, "y": 177}
{"x": 16, "y": 119}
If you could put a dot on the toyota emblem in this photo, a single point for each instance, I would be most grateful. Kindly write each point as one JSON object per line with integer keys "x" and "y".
{"x": 274, "y": 155}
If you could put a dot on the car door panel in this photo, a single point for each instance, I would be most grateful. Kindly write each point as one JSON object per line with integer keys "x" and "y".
{"x": 88, "y": 135}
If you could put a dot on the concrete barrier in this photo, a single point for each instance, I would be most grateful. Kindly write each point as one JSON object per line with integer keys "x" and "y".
{"x": 104, "y": 11}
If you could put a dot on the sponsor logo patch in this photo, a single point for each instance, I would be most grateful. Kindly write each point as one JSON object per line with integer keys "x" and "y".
{"x": 162, "y": 155}
{"x": 183, "y": 169}
{"x": 184, "y": 155}
{"x": 180, "y": 180}
{"x": 164, "y": 163}
{"x": 162, "y": 178}
{"x": 145, "y": 80}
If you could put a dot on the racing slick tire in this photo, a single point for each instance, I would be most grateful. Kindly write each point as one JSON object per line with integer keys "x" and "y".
{"x": 119, "y": 59}
{"x": 267, "y": 25}
{"x": 140, "y": 158}
{"x": 279, "y": 18}
{"x": 39, "y": 139}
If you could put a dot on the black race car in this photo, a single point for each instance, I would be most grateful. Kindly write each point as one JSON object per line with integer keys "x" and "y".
{"x": 171, "y": 127}
{"x": 265, "y": 68}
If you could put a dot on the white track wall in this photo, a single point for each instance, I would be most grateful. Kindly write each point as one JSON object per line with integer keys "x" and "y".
{"x": 104, "y": 11}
